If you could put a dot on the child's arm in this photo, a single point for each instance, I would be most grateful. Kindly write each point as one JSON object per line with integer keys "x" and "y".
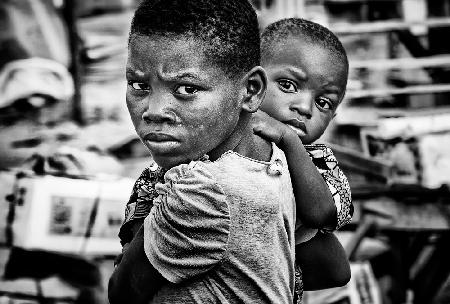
{"x": 323, "y": 262}
{"x": 323, "y": 259}
{"x": 314, "y": 203}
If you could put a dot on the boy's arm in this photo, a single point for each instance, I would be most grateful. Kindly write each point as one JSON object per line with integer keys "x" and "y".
{"x": 185, "y": 234}
{"x": 323, "y": 262}
{"x": 134, "y": 279}
{"x": 314, "y": 203}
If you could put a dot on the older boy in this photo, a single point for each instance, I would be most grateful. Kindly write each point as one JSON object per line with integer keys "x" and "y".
{"x": 221, "y": 230}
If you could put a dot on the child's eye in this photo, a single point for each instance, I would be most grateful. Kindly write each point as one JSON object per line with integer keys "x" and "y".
{"x": 324, "y": 103}
{"x": 139, "y": 86}
{"x": 287, "y": 86}
{"x": 186, "y": 90}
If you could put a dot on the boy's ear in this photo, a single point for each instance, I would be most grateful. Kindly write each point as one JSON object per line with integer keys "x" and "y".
{"x": 255, "y": 82}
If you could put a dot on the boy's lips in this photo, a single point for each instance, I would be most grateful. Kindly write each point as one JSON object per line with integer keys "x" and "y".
{"x": 159, "y": 137}
{"x": 297, "y": 125}
{"x": 160, "y": 142}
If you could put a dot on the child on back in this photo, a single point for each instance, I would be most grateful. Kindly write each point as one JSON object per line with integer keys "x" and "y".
{"x": 307, "y": 71}
{"x": 144, "y": 190}
{"x": 221, "y": 229}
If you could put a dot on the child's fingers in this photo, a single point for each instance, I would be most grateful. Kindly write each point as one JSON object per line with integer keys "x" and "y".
{"x": 267, "y": 132}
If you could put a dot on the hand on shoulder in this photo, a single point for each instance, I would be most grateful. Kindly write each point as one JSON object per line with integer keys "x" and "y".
{"x": 271, "y": 129}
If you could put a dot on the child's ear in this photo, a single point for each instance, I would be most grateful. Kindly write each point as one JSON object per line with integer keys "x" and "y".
{"x": 255, "y": 82}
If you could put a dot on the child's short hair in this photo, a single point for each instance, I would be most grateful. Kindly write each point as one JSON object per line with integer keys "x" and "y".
{"x": 228, "y": 28}
{"x": 295, "y": 27}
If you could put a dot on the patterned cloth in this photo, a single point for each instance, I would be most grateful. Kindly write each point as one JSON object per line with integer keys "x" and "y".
{"x": 143, "y": 194}
{"x": 327, "y": 164}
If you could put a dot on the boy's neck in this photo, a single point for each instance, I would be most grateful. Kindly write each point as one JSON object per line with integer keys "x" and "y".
{"x": 244, "y": 142}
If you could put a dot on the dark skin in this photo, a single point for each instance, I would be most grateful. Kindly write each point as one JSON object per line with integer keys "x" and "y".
{"x": 322, "y": 259}
{"x": 314, "y": 203}
{"x": 134, "y": 279}
{"x": 323, "y": 262}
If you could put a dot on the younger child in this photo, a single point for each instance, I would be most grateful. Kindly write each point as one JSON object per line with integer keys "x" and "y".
{"x": 307, "y": 70}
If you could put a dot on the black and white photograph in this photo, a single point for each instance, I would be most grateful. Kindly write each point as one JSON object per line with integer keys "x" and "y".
{"x": 225, "y": 151}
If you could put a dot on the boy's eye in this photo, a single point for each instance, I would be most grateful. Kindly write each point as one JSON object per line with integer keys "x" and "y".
{"x": 139, "y": 86}
{"x": 324, "y": 103}
{"x": 287, "y": 86}
{"x": 186, "y": 90}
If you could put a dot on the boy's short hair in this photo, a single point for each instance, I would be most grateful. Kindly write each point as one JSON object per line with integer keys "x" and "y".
{"x": 228, "y": 28}
{"x": 297, "y": 27}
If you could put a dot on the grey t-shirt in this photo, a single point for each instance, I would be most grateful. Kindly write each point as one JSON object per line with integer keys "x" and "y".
{"x": 223, "y": 232}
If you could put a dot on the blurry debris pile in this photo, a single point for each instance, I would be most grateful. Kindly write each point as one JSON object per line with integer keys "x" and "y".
{"x": 32, "y": 28}
{"x": 37, "y": 91}
{"x": 418, "y": 146}
{"x": 34, "y": 56}
{"x": 104, "y": 45}
{"x": 27, "y": 85}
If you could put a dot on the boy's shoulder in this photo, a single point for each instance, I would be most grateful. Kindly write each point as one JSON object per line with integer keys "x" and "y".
{"x": 234, "y": 163}
{"x": 237, "y": 176}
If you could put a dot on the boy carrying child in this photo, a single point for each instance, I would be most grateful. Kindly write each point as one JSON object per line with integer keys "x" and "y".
{"x": 220, "y": 228}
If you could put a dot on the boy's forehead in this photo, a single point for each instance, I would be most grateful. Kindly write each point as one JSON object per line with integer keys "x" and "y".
{"x": 166, "y": 54}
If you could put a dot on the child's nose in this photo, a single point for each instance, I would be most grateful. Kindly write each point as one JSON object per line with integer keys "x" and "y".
{"x": 158, "y": 110}
{"x": 303, "y": 103}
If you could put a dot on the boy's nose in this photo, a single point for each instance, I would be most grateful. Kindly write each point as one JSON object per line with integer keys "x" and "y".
{"x": 158, "y": 111}
{"x": 303, "y": 103}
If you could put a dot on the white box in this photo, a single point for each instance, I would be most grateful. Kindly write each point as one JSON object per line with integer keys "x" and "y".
{"x": 55, "y": 214}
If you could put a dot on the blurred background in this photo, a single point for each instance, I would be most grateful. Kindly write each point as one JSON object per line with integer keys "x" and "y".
{"x": 69, "y": 155}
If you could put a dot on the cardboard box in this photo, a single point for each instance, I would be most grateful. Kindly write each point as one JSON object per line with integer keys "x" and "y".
{"x": 56, "y": 213}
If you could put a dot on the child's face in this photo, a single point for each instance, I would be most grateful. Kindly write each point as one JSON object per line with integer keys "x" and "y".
{"x": 182, "y": 105}
{"x": 305, "y": 85}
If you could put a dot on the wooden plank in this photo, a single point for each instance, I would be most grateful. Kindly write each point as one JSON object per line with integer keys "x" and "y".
{"x": 410, "y": 90}
{"x": 394, "y": 215}
{"x": 402, "y": 63}
{"x": 357, "y": 161}
{"x": 386, "y": 26}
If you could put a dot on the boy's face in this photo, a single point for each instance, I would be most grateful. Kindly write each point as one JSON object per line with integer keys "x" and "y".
{"x": 305, "y": 85}
{"x": 182, "y": 105}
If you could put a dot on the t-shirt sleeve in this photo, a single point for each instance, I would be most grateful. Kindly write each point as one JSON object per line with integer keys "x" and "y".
{"x": 327, "y": 164}
{"x": 187, "y": 230}
{"x": 141, "y": 199}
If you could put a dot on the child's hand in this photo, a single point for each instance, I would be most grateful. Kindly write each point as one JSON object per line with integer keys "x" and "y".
{"x": 270, "y": 129}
